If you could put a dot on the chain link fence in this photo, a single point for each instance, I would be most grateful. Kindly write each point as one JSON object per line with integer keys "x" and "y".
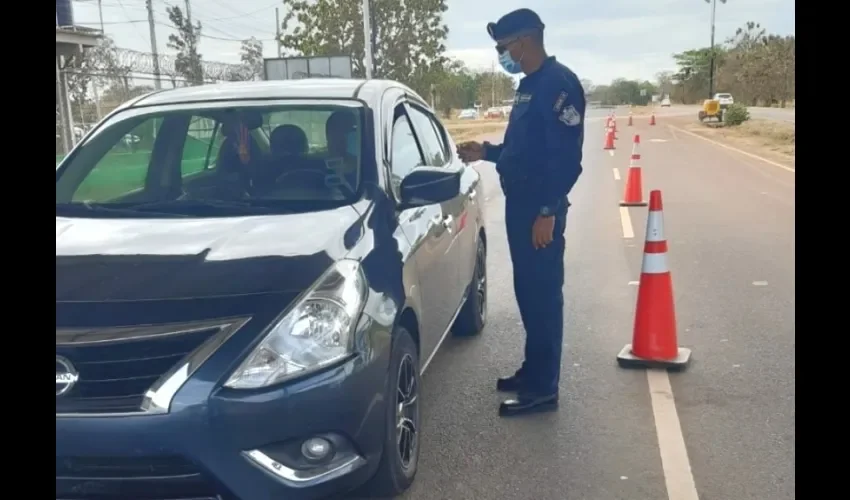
{"x": 91, "y": 96}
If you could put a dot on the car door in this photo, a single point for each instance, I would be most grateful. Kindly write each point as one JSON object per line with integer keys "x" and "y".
{"x": 430, "y": 236}
{"x": 466, "y": 233}
{"x": 450, "y": 220}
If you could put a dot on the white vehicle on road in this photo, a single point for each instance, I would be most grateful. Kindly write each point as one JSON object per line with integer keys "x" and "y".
{"x": 665, "y": 103}
{"x": 725, "y": 99}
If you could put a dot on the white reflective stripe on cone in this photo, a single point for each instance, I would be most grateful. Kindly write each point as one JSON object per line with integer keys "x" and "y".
{"x": 654, "y": 263}
{"x": 655, "y": 226}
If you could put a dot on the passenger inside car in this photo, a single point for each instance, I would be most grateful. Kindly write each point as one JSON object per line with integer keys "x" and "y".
{"x": 288, "y": 166}
{"x": 343, "y": 146}
{"x": 240, "y": 158}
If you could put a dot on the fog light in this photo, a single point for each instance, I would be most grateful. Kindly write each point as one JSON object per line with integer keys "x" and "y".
{"x": 316, "y": 449}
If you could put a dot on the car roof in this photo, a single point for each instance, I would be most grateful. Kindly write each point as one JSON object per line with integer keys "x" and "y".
{"x": 311, "y": 88}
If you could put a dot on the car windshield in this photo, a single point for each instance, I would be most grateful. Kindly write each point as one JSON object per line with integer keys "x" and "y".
{"x": 216, "y": 159}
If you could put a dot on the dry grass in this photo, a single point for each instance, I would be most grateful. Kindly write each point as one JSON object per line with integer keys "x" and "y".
{"x": 761, "y": 136}
{"x": 464, "y": 130}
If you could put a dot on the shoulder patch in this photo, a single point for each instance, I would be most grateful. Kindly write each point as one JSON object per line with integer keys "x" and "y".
{"x": 570, "y": 116}
{"x": 562, "y": 98}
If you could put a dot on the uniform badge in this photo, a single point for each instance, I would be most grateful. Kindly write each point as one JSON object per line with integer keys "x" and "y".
{"x": 562, "y": 97}
{"x": 569, "y": 116}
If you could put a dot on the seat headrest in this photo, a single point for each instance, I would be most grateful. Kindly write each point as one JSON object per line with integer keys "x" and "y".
{"x": 288, "y": 139}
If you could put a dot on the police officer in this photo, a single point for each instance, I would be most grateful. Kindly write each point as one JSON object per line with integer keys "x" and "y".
{"x": 538, "y": 164}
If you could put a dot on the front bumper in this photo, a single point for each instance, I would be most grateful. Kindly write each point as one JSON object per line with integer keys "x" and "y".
{"x": 231, "y": 446}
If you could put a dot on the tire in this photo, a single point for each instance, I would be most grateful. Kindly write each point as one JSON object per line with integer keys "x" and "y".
{"x": 472, "y": 317}
{"x": 395, "y": 474}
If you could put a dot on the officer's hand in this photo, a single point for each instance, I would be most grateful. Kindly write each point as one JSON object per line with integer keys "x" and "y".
{"x": 470, "y": 151}
{"x": 542, "y": 231}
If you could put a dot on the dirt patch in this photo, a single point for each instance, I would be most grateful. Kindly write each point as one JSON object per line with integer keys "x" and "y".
{"x": 464, "y": 130}
{"x": 771, "y": 139}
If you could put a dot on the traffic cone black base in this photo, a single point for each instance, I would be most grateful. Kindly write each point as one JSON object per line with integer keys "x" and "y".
{"x": 633, "y": 203}
{"x": 626, "y": 359}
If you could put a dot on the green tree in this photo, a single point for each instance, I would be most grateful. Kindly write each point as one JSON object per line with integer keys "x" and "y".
{"x": 408, "y": 36}
{"x": 494, "y": 87}
{"x": 251, "y": 55}
{"x": 753, "y": 65}
{"x": 664, "y": 80}
{"x": 185, "y": 42}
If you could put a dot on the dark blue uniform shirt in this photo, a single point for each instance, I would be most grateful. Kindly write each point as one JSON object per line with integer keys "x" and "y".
{"x": 540, "y": 158}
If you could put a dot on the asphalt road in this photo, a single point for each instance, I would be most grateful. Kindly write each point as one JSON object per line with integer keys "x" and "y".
{"x": 775, "y": 114}
{"x": 730, "y": 226}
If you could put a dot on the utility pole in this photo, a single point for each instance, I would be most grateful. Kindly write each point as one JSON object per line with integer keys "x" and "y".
{"x": 277, "y": 31}
{"x": 367, "y": 39}
{"x": 156, "y": 73}
{"x": 188, "y": 13}
{"x": 711, "y": 55}
{"x": 100, "y": 13}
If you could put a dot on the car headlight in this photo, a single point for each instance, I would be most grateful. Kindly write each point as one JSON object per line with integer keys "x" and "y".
{"x": 315, "y": 332}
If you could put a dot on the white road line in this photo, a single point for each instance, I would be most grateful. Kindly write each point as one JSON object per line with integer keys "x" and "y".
{"x": 678, "y": 476}
{"x": 616, "y": 174}
{"x": 720, "y": 144}
{"x": 626, "y": 221}
{"x": 611, "y": 152}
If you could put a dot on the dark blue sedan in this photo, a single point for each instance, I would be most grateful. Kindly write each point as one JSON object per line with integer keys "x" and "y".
{"x": 246, "y": 299}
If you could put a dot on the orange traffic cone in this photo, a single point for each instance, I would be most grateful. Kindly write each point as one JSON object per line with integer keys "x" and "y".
{"x": 630, "y": 119}
{"x": 652, "y": 119}
{"x": 609, "y": 139}
{"x": 633, "y": 196}
{"x": 654, "y": 343}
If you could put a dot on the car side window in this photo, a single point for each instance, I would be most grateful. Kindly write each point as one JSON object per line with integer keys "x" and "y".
{"x": 200, "y": 148}
{"x": 124, "y": 168}
{"x": 432, "y": 142}
{"x": 405, "y": 152}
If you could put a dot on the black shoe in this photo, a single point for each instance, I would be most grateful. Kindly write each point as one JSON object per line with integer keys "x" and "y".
{"x": 527, "y": 403}
{"x": 513, "y": 383}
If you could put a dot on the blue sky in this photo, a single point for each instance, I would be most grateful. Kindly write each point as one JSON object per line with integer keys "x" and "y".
{"x": 599, "y": 39}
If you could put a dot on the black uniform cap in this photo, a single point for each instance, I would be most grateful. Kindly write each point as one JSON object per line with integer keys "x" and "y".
{"x": 515, "y": 24}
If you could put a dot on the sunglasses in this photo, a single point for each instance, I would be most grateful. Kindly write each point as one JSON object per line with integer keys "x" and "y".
{"x": 503, "y": 45}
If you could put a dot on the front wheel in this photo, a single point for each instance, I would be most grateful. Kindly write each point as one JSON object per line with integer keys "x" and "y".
{"x": 472, "y": 317}
{"x": 400, "y": 458}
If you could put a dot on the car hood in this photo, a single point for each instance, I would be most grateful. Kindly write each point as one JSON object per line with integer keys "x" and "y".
{"x": 104, "y": 260}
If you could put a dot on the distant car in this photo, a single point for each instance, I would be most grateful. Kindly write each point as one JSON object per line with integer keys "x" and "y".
{"x": 468, "y": 114}
{"x": 725, "y": 99}
{"x": 665, "y": 103}
{"x": 240, "y": 315}
{"x": 494, "y": 112}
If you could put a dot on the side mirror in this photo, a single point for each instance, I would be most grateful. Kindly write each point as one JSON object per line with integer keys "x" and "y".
{"x": 429, "y": 185}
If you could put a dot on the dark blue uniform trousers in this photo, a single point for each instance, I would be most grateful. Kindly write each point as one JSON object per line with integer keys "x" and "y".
{"x": 538, "y": 285}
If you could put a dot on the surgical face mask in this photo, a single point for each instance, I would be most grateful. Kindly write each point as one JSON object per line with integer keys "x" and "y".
{"x": 508, "y": 63}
